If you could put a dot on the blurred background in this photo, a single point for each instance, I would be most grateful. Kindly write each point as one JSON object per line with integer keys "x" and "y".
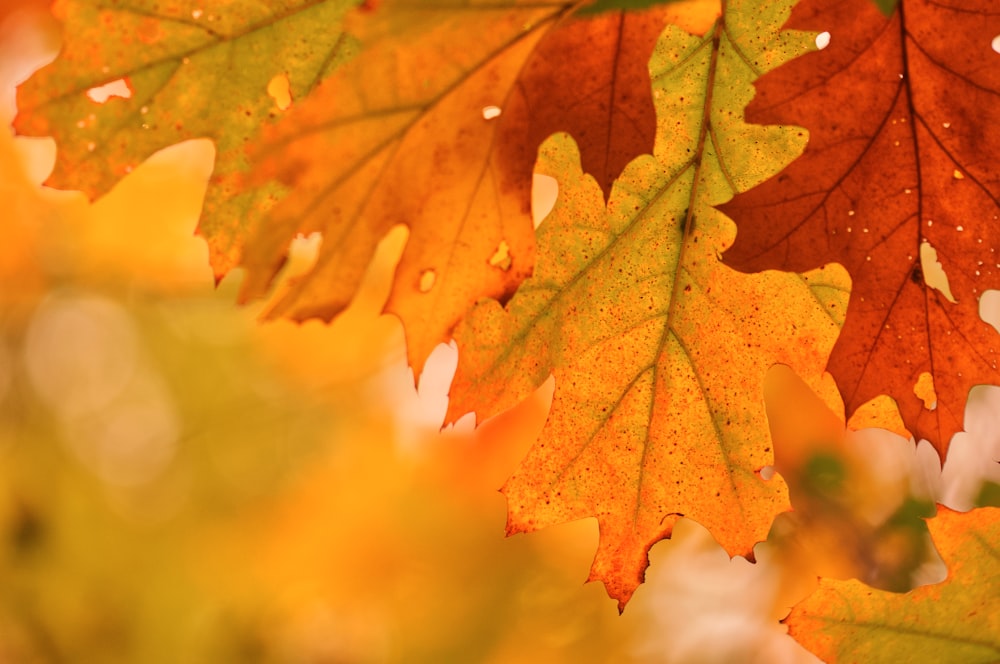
{"x": 180, "y": 483}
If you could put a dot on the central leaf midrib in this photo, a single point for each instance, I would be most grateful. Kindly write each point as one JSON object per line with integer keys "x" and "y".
{"x": 687, "y": 229}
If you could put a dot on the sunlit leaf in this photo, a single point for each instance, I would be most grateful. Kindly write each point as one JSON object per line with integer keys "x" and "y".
{"x": 952, "y": 621}
{"x": 659, "y": 351}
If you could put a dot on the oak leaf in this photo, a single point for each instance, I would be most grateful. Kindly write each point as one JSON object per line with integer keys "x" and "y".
{"x": 659, "y": 351}
{"x": 952, "y": 621}
{"x": 901, "y": 161}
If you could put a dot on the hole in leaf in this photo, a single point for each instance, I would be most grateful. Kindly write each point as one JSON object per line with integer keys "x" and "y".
{"x": 822, "y": 40}
{"x": 491, "y": 112}
{"x": 501, "y": 258}
{"x": 924, "y": 389}
{"x": 102, "y": 93}
{"x": 995, "y": 44}
{"x": 427, "y": 279}
{"x": 934, "y": 274}
{"x": 989, "y": 308}
{"x": 544, "y": 190}
{"x": 280, "y": 91}
{"x": 303, "y": 252}
{"x": 767, "y": 472}
{"x": 197, "y": 13}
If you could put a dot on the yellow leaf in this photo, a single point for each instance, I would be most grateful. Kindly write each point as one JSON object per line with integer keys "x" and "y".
{"x": 659, "y": 351}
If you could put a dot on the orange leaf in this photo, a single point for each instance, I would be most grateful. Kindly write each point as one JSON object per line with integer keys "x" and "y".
{"x": 413, "y": 133}
{"x": 399, "y": 136}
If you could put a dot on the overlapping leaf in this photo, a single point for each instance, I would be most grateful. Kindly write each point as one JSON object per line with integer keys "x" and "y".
{"x": 659, "y": 351}
{"x": 953, "y": 621}
{"x": 195, "y": 69}
{"x": 435, "y": 125}
{"x": 590, "y": 78}
{"x": 901, "y": 159}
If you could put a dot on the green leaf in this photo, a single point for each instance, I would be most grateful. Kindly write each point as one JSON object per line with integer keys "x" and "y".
{"x": 955, "y": 621}
{"x": 192, "y": 73}
{"x": 611, "y": 5}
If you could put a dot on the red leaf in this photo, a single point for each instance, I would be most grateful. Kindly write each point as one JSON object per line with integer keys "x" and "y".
{"x": 902, "y": 114}
{"x": 589, "y": 78}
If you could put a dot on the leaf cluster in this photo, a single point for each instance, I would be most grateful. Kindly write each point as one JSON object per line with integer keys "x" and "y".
{"x": 740, "y": 186}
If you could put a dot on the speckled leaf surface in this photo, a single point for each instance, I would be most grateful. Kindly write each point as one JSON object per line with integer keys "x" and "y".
{"x": 659, "y": 351}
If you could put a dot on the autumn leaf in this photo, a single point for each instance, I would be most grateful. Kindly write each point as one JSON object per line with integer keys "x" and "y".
{"x": 900, "y": 174}
{"x": 659, "y": 351}
{"x": 435, "y": 125}
{"x": 176, "y": 71}
{"x": 952, "y": 621}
